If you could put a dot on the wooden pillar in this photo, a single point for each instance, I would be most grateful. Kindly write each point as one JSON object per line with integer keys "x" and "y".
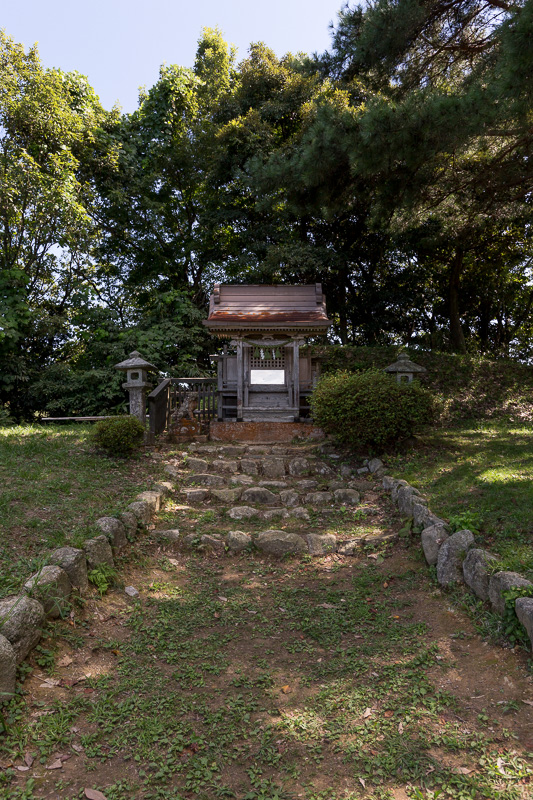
{"x": 296, "y": 378}
{"x": 240, "y": 380}
{"x": 221, "y": 368}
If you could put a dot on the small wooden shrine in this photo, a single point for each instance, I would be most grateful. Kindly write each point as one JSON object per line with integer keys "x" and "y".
{"x": 261, "y": 375}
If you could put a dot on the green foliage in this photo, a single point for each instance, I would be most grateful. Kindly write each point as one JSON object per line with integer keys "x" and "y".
{"x": 512, "y": 627}
{"x": 103, "y": 577}
{"x": 370, "y": 409}
{"x": 119, "y": 436}
{"x": 466, "y": 520}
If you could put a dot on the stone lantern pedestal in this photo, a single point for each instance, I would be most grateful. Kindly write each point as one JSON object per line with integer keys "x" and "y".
{"x": 136, "y": 369}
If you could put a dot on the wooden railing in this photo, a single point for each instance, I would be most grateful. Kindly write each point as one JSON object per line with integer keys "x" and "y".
{"x": 172, "y": 394}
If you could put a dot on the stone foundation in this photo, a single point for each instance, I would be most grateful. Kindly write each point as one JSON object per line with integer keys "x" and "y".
{"x": 262, "y": 432}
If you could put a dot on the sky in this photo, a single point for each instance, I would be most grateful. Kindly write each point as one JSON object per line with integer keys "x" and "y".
{"x": 120, "y": 44}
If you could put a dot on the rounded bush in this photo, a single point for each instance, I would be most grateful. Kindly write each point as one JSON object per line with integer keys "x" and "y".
{"x": 370, "y": 409}
{"x": 119, "y": 436}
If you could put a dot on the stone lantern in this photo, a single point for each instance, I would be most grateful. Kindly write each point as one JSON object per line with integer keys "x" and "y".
{"x": 404, "y": 368}
{"x": 136, "y": 369}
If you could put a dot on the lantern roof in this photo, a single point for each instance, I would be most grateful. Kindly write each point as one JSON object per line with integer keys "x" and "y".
{"x": 404, "y": 364}
{"x": 235, "y": 310}
{"x": 135, "y": 361}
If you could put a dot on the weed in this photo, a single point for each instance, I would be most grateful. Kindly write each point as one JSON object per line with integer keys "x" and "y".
{"x": 103, "y": 577}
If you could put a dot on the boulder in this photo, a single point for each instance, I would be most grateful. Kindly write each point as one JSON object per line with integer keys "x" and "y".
{"x": 289, "y": 497}
{"x": 273, "y": 467}
{"x": 351, "y": 547}
{"x": 225, "y": 467}
{"x": 152, "y": 498}
{"x": 196, "y": 464}
{"x": 422, "y": 516}
{"x": 347, "y": 497}
{"x": 172, "y": 471}
{"x": 334, "y": 485}
{"x": 374, "y": 465}
{"x": 280, "y": 543}
{"x": 169, "y": 535}
{"x": 191, "y": 540}
{"x": 273, "y": 484}
{"x": 205, "y": 479}
{"x": 363, "y": 471}
{"x": 114, "y": 530}
{"x": 51, "y": 586}
{"x": 524, "y": 612}
{"x": 258, "y": 494}
{"x": 432, "y": 538}
{"x": 196, "y": 495}
{"x": 476, "y": 573}
{"x": 130, "y": 522}
{"x": 346, "y": 471}
{"x": 142, "y": 511}
{"x": 97, "y": 552}
{"x": 74, "y": 563}
{"x": 298, "y": 466}
{"x": 451, "y": 556}
{"x": 8, "y": 670}
{"x": 226, "y": 495}
{"x": 237, "y": 541}
{"x": 501, "y": 582}
{"x": 21, "y": 622}
{"x": 250, "y": 466}
{"x": 319, "y": 498}
{"x": 389, "y": 483}
{"x": 405, "y": 499}
{"x": 242, "y": 512}
{"x": 212, "y": 541}
{"x": 321, "y": 543}
{"x": 396, "y": 488}
{"x": 307, "y": 486}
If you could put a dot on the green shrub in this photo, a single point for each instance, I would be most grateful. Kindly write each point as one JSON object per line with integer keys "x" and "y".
{"x": 119, "y": 436}
{"x": 370, "y": 409}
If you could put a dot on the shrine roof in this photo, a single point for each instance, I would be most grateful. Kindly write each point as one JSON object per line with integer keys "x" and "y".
{"x": 235, "y": 309}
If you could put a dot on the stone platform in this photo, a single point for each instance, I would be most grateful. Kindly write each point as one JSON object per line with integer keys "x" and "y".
{"x": 262, "y": 431}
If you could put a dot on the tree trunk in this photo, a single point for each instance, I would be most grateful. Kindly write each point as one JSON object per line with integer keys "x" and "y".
{"x": 457, "y": 338}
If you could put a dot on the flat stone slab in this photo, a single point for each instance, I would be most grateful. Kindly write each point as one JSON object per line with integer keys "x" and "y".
{"x": 8, "y": 670}
{"x": 241, "y": 480}
{"x": 280, "y": 543}
{"x": 323, "y": 469}
{"x": 242, "y": 512}
{"x": 232, "y": 450}
{"x": 258, "y": 494}
{"x": 196, "y": 464}
{"x": 298, "y": 466}
{"x": 214, "y": 542}
{"x": 274, "y": 513}
{"x": 225, "y": 467}
{"x": 289, "y": 498}
{"x": 307, "y": 485}
{"x": 74, "y": 563}
{"x": 196, "y": 495}
{"x": 51, "y": 587}
{"x": 501, "y": 582}
{"x": 273, "y": 484}
{"x": 21, "y": 622}
{"x": 169, "y": 535}
{"x": 347, "y": 497}
{"x": 273, "y": 467}
{"x": 299, "y": 513}
{"x": 249, "y": 466}
{"x": 206, "y": 479}
{"x": 319, "y": 498}
{"x": 451, "y": 556}
{"x": 320, "y": 544}
{"x": 476, "y": 572}
{"x": 226, "y": 495}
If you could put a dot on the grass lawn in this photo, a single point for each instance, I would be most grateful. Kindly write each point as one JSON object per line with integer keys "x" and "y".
{"x": 54, "y": 485}
{"x": 479, "y": 475}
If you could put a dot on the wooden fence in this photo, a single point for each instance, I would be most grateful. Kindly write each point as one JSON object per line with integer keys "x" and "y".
{"x": 199, "y": 394}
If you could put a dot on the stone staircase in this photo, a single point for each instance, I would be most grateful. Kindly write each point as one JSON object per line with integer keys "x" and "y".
{"x": 261, "y": 485}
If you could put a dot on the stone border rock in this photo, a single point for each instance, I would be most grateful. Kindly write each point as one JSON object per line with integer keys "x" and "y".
{"x": 46, "y": 594}
{"x": 457, "y": 559}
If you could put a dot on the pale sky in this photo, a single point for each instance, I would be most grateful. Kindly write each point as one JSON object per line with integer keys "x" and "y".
{"x": 120, "y": 44}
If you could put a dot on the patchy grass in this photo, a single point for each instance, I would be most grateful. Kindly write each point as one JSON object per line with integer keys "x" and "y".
{"x": 54, "y": 486}
{"x": 479, "y": 474}
{"x": 268, "y": 681}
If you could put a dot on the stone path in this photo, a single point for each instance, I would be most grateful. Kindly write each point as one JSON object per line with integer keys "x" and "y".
{"x": 271, "y": 498}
